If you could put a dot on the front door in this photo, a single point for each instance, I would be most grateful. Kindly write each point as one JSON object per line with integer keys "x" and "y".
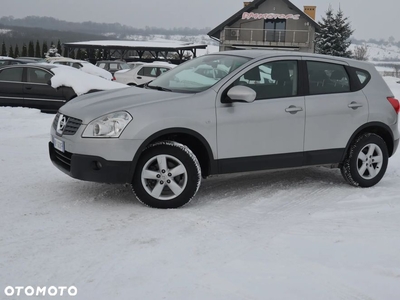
{"x": 38, "y": 93}
{"x": 269, "y": 132}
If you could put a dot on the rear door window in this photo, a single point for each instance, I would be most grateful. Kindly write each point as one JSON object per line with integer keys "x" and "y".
{"x": 327, "y": 78}
{"x": 38, "y": 76}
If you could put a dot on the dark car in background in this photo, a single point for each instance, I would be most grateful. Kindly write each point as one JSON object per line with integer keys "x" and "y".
{"x": 27, "y": 85}
{"x": 112, "y": 66}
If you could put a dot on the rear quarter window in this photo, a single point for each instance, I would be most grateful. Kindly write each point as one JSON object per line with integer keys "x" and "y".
{"x": 363, "y": 77}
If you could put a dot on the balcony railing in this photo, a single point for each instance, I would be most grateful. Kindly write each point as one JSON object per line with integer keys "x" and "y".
{"x": 264, "y": 37}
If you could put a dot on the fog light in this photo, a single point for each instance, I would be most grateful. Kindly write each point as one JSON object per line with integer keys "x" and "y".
{"x": 97, "y": 165}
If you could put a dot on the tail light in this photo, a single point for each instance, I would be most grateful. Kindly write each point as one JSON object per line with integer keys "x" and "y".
{"x": 113, "y": 79}
{"x": 395, "y": 103}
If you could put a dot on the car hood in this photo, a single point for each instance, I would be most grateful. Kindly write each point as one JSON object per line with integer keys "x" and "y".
{"x": 90, "y": 106}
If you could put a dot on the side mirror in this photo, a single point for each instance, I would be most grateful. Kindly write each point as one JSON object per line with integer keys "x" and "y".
{"x": 242, "y": 93}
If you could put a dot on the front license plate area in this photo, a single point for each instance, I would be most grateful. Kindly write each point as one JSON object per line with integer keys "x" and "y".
{"x": 58, "y": 144}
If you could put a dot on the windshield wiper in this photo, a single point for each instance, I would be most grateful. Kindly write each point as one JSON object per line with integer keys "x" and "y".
{"x": 159, "y": 88}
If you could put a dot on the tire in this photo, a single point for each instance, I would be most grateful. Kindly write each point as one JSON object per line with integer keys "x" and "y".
{"x": 366, "y": 161}
{"x": 170, "y": 189}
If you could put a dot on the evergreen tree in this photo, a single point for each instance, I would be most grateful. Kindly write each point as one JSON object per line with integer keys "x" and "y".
{"x": 72, "y": 54}
{"x": 11, "y": 52}
{"x": 16, "y": 53}
{"x": 65, "y": 53}
{"x": 31, "y": 49}
{"x": 3, "y": 49}
{"x": 24, "y": 50}
{"x": 45, "y": 49}
{"x": 99, "y": 55}
{"x": 79, "y": 54}
{"x": 334, "y": 35}
{"x": 37, "y": 51}
{"x": 59, "y": 47}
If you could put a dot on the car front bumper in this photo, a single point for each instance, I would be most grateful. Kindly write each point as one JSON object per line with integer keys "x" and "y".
{"x": 91, "y": 168}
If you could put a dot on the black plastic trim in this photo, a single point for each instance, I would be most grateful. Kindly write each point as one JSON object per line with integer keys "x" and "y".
{"x": 371, "y": 124}
{"x": 84, "y": 167}
{"x": 280, "y": 161}
{"x": 212, "y": 162}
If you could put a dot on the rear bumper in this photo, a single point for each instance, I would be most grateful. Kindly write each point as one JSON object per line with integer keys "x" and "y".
{"x": 91, "y": 168}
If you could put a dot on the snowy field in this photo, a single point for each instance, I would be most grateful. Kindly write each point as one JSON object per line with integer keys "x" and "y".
{"x": 302, "y": 234}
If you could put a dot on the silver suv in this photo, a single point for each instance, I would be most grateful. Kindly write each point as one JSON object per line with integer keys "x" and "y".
{"x": 269, "y": 110}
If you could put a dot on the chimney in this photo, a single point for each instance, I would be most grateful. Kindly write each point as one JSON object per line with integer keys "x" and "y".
{"x": 246, "y": 3}
{"x": 310, "y": 11}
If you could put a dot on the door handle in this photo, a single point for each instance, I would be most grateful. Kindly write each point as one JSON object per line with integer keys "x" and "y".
{"x": 354, "y": 105}
{"x": 293, "y": 109}
{"x": 139, "y": 77}
{"x": 28, "y": 88}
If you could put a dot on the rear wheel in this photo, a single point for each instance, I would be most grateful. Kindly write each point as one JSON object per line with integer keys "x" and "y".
{"x": 366, "y": 162}
{"x": 167, "y": 175}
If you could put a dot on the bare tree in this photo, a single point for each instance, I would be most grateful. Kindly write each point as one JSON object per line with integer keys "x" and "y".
{"x": 361, "y": 52}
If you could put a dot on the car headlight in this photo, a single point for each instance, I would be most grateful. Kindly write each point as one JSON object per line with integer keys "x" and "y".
{"x": 108, "y": 126}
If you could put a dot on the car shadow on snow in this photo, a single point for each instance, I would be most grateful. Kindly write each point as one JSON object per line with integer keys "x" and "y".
{"x": 221, "y": 188}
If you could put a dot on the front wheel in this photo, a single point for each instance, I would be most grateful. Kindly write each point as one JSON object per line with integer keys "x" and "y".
{"x": 366, "y": 162}
{"x": 167, "y": 175}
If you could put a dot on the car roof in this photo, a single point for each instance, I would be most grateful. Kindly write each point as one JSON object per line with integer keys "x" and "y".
{"x": 108, "y": 61}
{"x": 157, "y": 64}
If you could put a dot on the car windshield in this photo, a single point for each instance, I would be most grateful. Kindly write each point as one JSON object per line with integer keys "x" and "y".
{"x": 199, "y": 74}
{"x": 125, "y": 66}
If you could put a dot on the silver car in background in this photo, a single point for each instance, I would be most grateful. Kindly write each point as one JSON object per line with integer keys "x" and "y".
{"x": 234, "y": 111}
{"x": 142, "y": 73}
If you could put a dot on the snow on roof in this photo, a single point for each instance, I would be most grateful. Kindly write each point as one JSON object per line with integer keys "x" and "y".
{"x": 5, "y": 57}
{"x": 139, "y": 44}
{"x": 81, "y": 82}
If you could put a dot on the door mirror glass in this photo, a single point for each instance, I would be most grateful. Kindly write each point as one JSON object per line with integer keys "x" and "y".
{"x": 242, "y": 93}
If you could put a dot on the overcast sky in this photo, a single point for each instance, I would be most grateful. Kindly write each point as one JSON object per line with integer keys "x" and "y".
{"x": 370, "y": 19}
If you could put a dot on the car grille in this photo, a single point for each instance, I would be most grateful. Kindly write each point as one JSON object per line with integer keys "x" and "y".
{"x": 63, "y": 159}
{"x": 72, "y": 126}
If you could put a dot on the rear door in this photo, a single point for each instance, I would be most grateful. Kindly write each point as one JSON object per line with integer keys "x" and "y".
{"x": 38, "y": 93}
{"x": 11, "y": 86}
{"x": 334, "y": 111}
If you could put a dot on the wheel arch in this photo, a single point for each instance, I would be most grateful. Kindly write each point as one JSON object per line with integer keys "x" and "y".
{"x": 378, "y": 128}
{"x": 190, "y": 138}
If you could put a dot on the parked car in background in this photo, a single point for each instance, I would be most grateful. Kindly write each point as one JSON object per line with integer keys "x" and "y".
{"x": 17, "y": 61}
{"x": 143, "y": 73}
{"x": 27, "y": 85}
{"x": 112, "y": 66}
{"x": 84, "y": 66}
{"x": 316, "y": 110}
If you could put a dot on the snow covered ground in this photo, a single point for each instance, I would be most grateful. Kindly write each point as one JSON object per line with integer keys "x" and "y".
{"x": 302, "y": 234}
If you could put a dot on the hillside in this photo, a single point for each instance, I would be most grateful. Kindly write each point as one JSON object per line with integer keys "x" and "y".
{"x": 113, "y": 30}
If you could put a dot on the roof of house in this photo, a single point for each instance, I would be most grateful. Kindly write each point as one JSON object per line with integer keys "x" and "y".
{"x": 253, "y": 5}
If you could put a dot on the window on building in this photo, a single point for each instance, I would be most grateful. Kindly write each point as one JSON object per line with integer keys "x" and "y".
{"x": 275, "y": 30}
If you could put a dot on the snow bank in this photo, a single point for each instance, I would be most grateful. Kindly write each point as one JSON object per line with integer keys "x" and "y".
{"x": 81, "y": 82}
